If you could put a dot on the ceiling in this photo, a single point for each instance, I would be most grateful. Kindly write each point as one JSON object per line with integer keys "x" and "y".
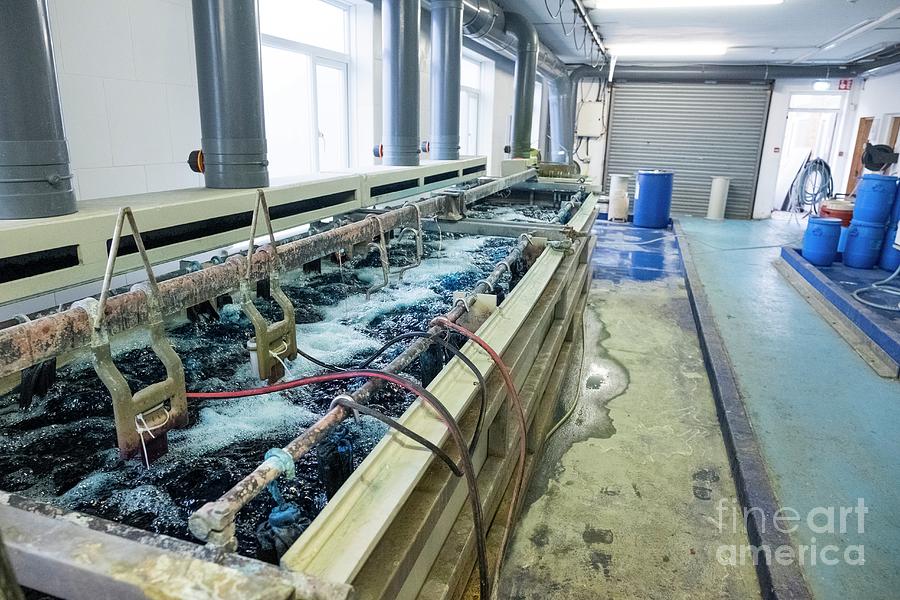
{"x": 796, "y": 31}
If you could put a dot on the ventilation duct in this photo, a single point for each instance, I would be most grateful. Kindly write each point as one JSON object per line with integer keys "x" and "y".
{"x": 513, "y": 36}
{"x": 400, "y": 54}
{"x": 229, "y": 79}
{"x": 446, "y": 58}
{"x": 35, "y": 180}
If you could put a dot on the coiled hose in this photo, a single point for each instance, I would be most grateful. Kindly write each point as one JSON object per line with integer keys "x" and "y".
{"x": 812, "y": 186}
{"x": 881, "y": 286}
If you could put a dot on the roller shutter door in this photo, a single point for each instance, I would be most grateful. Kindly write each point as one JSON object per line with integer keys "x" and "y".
{"x": 695, "y": 130}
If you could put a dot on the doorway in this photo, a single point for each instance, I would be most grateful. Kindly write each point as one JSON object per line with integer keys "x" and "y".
{"x": 811, "y": 124}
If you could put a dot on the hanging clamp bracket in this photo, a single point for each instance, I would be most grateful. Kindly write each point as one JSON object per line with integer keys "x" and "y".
{"x": 276, "y": 342}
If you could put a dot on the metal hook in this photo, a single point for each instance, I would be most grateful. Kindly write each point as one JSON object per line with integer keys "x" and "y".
{"x": 340, "y": 400}
{"x": 385, "y": 269}
{"x": 281, "y": 334}
{"x": 381, "y": 246}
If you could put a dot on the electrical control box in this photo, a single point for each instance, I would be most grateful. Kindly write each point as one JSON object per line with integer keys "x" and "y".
{"x": 590, "y": 120}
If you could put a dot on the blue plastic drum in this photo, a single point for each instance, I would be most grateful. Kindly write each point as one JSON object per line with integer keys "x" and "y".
{"x": 890, "y": 256}
{"x": 875, "y": 196}
{"x": 820, "y": 242}
{"x": 863, "y": 244}
{"x": 653, "y": 199}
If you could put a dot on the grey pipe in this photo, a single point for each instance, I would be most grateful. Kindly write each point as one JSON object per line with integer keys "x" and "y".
{"x": 527, "y": 49}
{"x": 35, "y": 180}
{"x": 485, "y": 22}
{"x": 446, "y": 59}
{"x": 400, "y": 55}
{"x": 229, "y": 80}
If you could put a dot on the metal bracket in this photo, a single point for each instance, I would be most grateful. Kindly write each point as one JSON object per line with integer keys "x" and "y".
{"x": 456, "y": 206}
{"x": 417, "y": 232}
{"x": 383, "y": 254}
{"x": 275, "y": 342}
{"x": 160, "y": 406}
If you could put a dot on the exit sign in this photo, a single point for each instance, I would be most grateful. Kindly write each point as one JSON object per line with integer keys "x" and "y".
{"x": 845, "y": 85}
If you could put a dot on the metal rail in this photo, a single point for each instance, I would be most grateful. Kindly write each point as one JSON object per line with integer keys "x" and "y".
{"x": 28, "y": 344}
{"x": 214, "y": 521}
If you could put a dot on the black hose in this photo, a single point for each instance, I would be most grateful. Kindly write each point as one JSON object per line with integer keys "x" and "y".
{"x": 468, "y": 470}
{"x": 362, "y": 408}
{"x": 447, "y": 345}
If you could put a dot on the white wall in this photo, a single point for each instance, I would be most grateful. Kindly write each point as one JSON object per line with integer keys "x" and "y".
{"x": 766, "y": 194}
{"x": 878, "y": 97}
{"x": 128, "y": 89}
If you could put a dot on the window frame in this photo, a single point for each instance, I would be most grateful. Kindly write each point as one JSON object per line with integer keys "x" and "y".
{"x": 475, "y": 93}
{"x": 328, "y": 58}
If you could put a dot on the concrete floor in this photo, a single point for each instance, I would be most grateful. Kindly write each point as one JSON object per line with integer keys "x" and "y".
{"x": 624, "y": 502}
{"x": 827, "y": 425}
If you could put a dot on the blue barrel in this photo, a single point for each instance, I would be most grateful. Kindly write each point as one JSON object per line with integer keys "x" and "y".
{"x": 820, "y": 242}
{"x": 842, "y": 242}
{"x": 863, "y": 244}
{"x": 875, "y": 196}
{"x": 653, "y": 199}
{"x": 895, "y": 212}
{"x": 890, "y": 256}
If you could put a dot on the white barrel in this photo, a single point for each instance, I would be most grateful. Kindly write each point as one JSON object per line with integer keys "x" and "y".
{"x": 618, "y": 197}
{"x": 718, "y": 197}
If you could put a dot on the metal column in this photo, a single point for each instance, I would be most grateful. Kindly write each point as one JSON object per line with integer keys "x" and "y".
{"x": 400, "y": 54}
{"x": 229, "y": 79}
{"x": 446, "y": 58}
{"x": 35, "y": 180}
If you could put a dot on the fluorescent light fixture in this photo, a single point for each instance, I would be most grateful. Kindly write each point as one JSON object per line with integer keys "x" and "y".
{"x": 670, "y": 49}
{"x": 822, "y": 86}
{"x": 644, "y": 4}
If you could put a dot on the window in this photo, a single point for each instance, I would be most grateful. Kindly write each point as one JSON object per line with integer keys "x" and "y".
{"x": 470, "y": 80}
{"x": 816, "y": 101}
{"x": 305, "y": 61}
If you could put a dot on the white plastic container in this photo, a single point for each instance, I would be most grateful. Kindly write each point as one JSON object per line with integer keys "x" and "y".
{"x": 618, "y": 197}
{"x": 718, "y": 198}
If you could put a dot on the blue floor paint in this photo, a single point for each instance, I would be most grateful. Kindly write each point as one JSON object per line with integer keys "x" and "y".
{"x": 627, "y": 252}
{"x": 828, "y": 426}
{"x": 852, "y": 279}
{"x": 835, "y": 286}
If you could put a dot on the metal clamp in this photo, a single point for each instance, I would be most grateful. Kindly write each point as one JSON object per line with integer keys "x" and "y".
{"x": 275, "y": 342}
{"x": 489, "y": 285}
{"x": 383, "y": 254}
{"x": 417, "y": 232}
{"x": 160, "y": 406}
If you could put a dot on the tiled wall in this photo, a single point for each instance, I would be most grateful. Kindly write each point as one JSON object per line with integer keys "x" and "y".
{"x": 128, "y": 85}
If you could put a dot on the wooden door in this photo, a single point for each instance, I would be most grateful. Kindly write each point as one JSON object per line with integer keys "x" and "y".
{"x": 862, "y": 136}
{"x": 895, "y": 131}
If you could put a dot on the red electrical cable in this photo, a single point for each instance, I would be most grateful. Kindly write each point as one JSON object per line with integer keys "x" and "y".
{"x": 523, "y": 423}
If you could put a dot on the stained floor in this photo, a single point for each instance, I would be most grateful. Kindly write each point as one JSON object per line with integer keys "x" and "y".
{"x": 828, "y": 425}
{"x": 624, "y": 502}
